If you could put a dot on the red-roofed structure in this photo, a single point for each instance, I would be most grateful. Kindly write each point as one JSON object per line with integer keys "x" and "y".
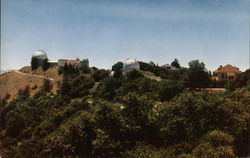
{"x": 226, "y": 73}
{"x": 75, "y": 63}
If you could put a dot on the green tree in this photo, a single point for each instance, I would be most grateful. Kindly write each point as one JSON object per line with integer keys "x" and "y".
{"x": 148, "y": 151}
{"x": 117, "y": 66}
{"x": 118, "y": 74}
{"x": 34, "y": 63}
{"x": 145, "y": 85}
{"x": 175, "y": 63}
{"x": 5, "y": 99}
{"x": 136, "y": 114}
{"x": 98, "y": 75}
{"x": 198, "y": 76}
{"x": 66, "y": 68}
{"x": 216, "y": 144}
{"x": 45, "y": 64}
{"x": 107, "y": 88}
{"x": 24, "y": 93}
{"x": 47, "y": 86}
{"x": 167, "y": 89}
{"x": 65, "y": 87}
{"x": 134, "y": 74}
{"x": 15, "y": 123}
{"x": 243, "y": 80}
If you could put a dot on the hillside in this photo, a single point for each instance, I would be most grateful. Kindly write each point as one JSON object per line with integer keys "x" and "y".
{"x": 128, "y": 115}
{"x": 11, "y": 82}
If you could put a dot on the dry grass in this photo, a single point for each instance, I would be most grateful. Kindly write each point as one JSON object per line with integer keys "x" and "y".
{"x": 151, "y": 75}
{"x": 12, "y": 81}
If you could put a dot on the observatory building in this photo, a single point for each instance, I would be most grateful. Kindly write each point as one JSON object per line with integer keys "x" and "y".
{"x": 75, "y": 63}
{"x": 40, "y": 55}
{"x": 131, "y": 64}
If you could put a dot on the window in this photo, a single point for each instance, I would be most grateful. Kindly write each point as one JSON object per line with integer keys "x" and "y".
{"x": 222, "y": 75}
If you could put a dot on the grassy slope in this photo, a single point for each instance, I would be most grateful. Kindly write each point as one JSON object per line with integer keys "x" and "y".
{"x": 12, "y": 81}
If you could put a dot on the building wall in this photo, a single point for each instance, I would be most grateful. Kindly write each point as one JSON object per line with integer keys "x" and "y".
{"x": 226, "y": 76}
{"x": 61, "y": 62}
{"x": 83, "y": 63}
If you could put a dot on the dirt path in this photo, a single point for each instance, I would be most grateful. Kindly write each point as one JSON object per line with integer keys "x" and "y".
{"x": 34, "y": 75}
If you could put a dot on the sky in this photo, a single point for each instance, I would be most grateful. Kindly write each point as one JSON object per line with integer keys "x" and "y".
{"x": 215, "y": 32}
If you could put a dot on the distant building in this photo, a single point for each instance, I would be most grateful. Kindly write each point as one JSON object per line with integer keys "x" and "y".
{"x": 225, "y": 73}
{"x": 169, "y": 67}
{"x": 53, "y": 63}
{"x": 151, "y": 63}
{"x": 40, "y": 56}
{"x": 131, "y": 64}
{"x": 75, "y": 63}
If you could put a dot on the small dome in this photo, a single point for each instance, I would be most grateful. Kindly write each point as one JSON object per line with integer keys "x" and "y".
{"x": 40, "y": 54}
{"x": 130, "y": 64}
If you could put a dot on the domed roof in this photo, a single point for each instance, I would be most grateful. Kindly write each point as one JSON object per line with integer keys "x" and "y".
{"x": 40, "y": 54}
{"x": 130, "y": 64}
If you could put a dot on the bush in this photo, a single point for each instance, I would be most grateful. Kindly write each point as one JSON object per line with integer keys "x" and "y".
{"x": 15, "y": 123}
{"x": 45, "y": 64}
{"x": 148, "y": 151}
{"x": 34, "y": 63}
{"x": 243, "y": 80}
{"x": 47, "y": 86}
{"x": 134, "y": 74}
{"x": 198, "y": 77}
{"x": 216, "y": 144}
{"x": 78, "y": 86}
{"x": 99, "y": 75}
{"x": 118, "y": 66}
{"x": 167, "y": 89}
{"x": 107, "y": 88}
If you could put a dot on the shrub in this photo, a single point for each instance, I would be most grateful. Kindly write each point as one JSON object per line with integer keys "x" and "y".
{"x": 15, "y": 123}
{"x": 134, "y": 74}
{"x": 47, "y": 86}
{"x": 167, "y": 89}
{"x": 99, "y": 75}
{"x": 107, "y": 88}
{"x": 216, "y": 144}
{"x": 45, "y": 64}
{"x": 147, "y": 151}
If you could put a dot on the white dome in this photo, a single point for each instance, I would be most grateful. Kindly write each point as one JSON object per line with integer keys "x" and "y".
{"x": 130, "y": 64}
{"x": 39, "y": 54}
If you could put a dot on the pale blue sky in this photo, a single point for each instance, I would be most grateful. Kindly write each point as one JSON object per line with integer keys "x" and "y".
{"x": 106, "y": 31}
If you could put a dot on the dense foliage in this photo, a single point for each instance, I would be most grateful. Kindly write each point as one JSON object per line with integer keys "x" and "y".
{"x": 198, "y": 77}
{"x": 96, "y": 115}
{"x": 45, "y": 64}
{"x": 34, "y": 63}
{"x": 243, "y": 80}
{"x": 176, "y": 63}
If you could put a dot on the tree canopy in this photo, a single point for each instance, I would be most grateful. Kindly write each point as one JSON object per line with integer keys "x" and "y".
{"x": 45, "y": 64}
{"x": 34, "y": 63}
{"x": 198, "y": 77}
{"x": 176, "y": 63}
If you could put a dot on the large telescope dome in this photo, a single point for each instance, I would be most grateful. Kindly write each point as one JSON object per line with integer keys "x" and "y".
{"x": 40, "y": 54}
{"x": 131, "y": 64}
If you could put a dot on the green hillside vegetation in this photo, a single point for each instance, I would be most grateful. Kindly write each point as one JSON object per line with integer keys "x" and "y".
{"x": 242, "y": 81}
{"x": 127, "y": 115}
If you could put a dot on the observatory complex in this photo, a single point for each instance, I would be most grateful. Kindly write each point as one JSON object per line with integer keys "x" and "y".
{"x": 41, "y": 56}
